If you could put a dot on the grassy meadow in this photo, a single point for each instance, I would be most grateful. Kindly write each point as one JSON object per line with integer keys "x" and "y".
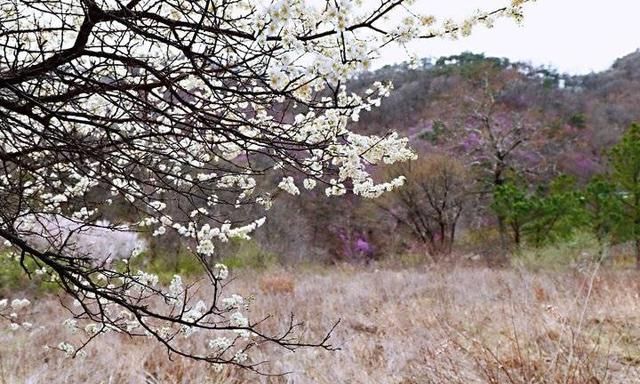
{"x": 423, "y": 324}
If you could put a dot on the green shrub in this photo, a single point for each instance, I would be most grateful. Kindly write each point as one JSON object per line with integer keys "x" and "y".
{"x": 166, "y": 265}
{"x": 14, "y": 278}
{"x": 548, "y": 215}
{"x": 248, "y": 254}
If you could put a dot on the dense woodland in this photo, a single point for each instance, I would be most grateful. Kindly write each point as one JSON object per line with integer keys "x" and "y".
{"x": 510, "y": 155}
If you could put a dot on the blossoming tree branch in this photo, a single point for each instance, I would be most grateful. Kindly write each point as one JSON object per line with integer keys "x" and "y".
{"x": 147, "y": 104}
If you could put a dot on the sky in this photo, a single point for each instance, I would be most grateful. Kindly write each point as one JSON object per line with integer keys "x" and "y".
{"x": 572, "y": 36}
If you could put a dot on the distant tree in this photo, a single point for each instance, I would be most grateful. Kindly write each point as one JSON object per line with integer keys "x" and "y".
{"x": 514, "y": 208}
{"x": 603, "y": 212}
{"x": 578, "y": 120}
{"x": 556, "y": 212}
{"x": 498, "y": 134}
{"x": 432, "y": 201}
{"x": 625, "y": 173}
{"x": 545, "y": 215}
{"x": 467, "y": 63}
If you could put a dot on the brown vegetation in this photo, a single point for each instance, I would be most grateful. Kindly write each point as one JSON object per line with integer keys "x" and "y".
{"x": 466, "y": 325}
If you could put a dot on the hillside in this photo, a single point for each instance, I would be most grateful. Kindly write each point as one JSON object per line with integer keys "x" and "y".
{"x": 557, "y": 124}
{"x": 583, "y": 115}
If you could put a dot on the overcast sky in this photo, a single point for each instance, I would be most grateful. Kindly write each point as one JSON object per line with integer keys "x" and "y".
{"x": 573, "y": 36}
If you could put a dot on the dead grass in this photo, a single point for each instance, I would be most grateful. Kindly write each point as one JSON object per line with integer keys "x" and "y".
{"x": 467, "y": 325}
{"x": 277, "y": 283}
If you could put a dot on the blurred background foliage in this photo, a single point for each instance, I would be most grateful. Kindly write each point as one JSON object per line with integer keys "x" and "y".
{"x": 517, "y": 164}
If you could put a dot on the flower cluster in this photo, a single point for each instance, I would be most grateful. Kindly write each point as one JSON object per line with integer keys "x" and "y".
{"x": 14, "y": 312}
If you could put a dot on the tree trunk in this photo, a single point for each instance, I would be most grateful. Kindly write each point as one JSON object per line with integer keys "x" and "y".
{"x": 452, "y": 237}
{"x": 638, "y": 254}
{"x": 497, "y": 182}
{"x": 503, "y": 239}
{"x": 516, "y": 236}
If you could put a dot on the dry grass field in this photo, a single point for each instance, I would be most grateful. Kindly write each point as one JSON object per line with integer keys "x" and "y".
{"x": 443, "y": 325}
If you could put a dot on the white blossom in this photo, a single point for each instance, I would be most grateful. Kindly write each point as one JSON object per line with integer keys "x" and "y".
{"x": 219, "y": 344}
{"x": 287, "y": 184}
{"x": 67, "y": 348}
{"x": 18, "y": 304}
{"x": 220, "y": 271}
{"x": 232, "y": 302}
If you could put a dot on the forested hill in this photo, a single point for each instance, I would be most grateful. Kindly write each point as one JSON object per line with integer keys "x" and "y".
{"x": 575, "y": 117}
